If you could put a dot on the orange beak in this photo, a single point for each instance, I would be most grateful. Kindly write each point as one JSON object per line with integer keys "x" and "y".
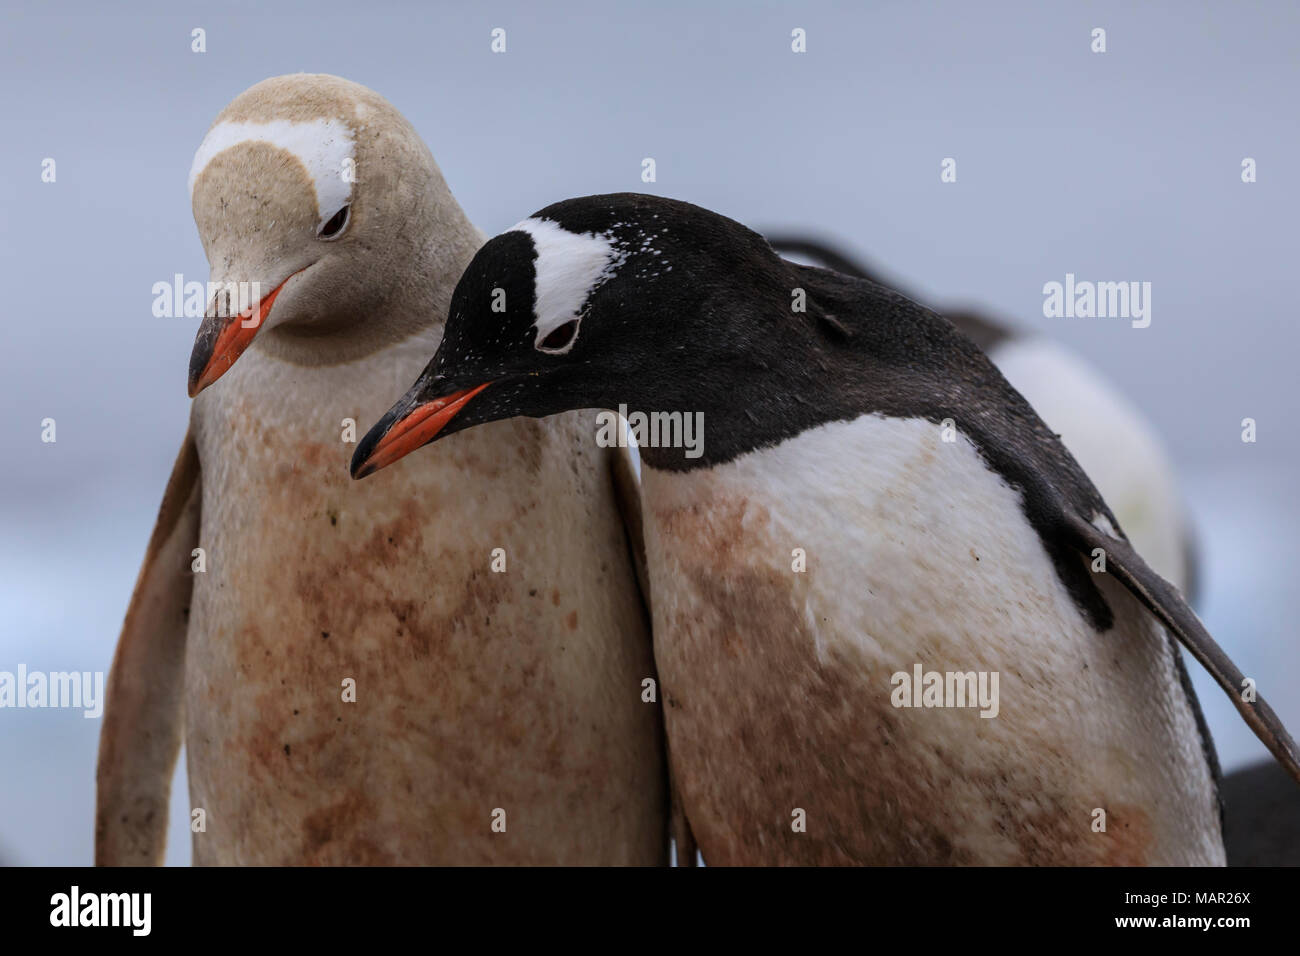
{"x": 396, "y": 436}
{"x": 221, "y": 340}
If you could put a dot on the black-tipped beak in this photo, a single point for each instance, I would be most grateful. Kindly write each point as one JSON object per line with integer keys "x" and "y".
{"x": 417, "y": 419}
{"x": 222, "y": 339}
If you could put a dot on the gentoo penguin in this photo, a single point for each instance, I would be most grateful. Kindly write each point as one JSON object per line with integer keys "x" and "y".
{"x": 894, "y": 621}
{"x": 445, "y": 666}
{"x": 1109, "y": 437}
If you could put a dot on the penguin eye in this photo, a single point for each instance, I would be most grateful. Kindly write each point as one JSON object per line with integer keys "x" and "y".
{"x": 560, "y": 338}
{"x": 337, "y": 223}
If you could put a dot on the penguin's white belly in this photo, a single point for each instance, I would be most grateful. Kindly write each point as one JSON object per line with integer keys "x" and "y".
{"x": 496, "y": 714}
{"x": 778, "y": 683}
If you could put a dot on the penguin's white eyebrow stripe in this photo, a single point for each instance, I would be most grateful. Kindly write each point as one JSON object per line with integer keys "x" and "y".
{"x": 321, "y": 145}
{"x": 569, "y": 266}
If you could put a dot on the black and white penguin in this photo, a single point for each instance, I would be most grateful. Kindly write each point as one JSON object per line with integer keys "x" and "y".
{"x": 1108, "y": 435}
{"x": 872, "y": 503}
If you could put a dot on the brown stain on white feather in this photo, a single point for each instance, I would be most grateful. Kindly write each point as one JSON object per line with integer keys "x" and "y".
{"x": 775, "y": 701}
{"x": 474, "y": 691}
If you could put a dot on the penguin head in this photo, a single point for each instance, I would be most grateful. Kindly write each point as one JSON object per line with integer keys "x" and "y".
{"x": 588, "y": 303}
{"x": 312, "y": 196}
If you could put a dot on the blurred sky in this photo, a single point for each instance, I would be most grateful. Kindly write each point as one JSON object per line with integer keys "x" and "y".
{"x": 1123, "y": 165}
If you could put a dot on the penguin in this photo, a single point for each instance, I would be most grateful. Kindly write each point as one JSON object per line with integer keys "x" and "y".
{"x": 1109, "y": 437}
{"x": 444, "y": 667}
{"x": 894, "y": 621}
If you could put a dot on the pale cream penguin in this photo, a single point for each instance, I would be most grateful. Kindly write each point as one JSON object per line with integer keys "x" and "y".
{"x": 444, "y": 665}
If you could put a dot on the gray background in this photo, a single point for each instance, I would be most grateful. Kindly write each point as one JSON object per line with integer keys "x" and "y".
{"x": 1117, "y": 166}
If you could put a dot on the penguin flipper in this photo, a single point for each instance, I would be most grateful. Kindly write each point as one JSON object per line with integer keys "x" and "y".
{"x": 141, "y": 733}
{"x": 980, "y": 328}
{"x": 627, "y": 495}
{"x": 828, "y": 254}
{"x": 1164, "y": 601}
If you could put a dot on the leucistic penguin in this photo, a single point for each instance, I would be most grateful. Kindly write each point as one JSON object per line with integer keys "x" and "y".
{"x": 894, "y": 620}
{"x": 1106, "y": 433}
{"x": 445, "y": 666}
